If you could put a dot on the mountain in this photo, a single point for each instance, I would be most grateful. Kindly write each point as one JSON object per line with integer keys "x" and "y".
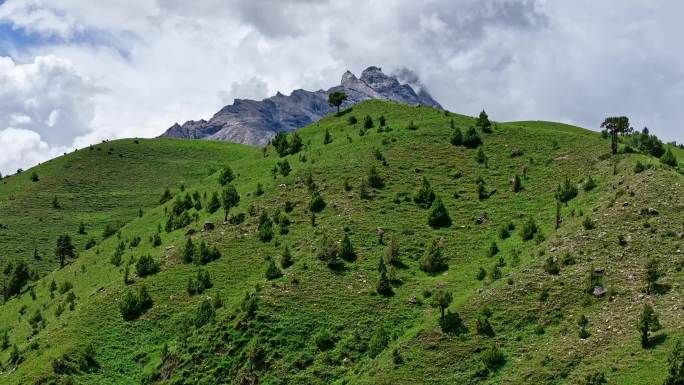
{"x": 286, "y": 291}
{"x": 256, "y": 122}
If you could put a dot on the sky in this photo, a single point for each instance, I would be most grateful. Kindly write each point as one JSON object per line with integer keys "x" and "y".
{"x": 76, "y": 72}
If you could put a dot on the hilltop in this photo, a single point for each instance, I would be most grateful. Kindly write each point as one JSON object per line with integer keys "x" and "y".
{"x": 358, "y": 213}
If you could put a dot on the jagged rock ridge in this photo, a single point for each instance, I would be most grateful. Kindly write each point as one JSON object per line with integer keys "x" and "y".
{"x": 256, "y": 122}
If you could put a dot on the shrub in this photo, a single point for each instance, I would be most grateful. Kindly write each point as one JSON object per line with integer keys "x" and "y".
{"x": 552, "y": 266}
{"x": 457, "y": 137}
{"x": 135, "y": 304}
{"x": 265, "y": 230}
{"x": 481, "y": 274}
{"x": 327, "y": 252}
{"x": 199, "y": 283}
{"x": 316, "y": 204}
{"x": 648, "y": 323}
{"x": 352, "y": 120}
{"x": 383, "y": 286}
{"x": 328, "y": 138}
{"x": 493, "y": 249}
{"x": 480, "y": 156}
{"x": 452, "y": 323}
{"x": 156, "y": 240}
{"x": 280, "y": 144}
{"x": 669, "y": 158}
{"x": 205, "y": 255}
{"x": 587, "y": 223}
{"x": 599, "y": 379}
{"x": 516, "y": 184}
{"x": 324, "y": 340}
{"x": 676, "y": 361}
{"x": 411, "y": 126}
{"x": 272, "y": 270}
{"x": 432, "y": 260}
{"x": 566, "y": 191}
{"x": 367, "y": 122}
{"x": 392, "y": 252}
{"x": 214, "y": 203}
{"x": 589, "y": 184}
{"x": 16, "y": 276}
{"x": 424, "y": 195}
{"x": 438, "y": 215}
{"x": 205, "y": 314}
{"x": 529, "y": 230}
{"x": 483, "y": 122}
{"x": 640, "y": 167}
{"x": 146, "y": 266}
{"x": 347, "y": 250}
{"x": 481, "y": 189}
{"x": 493, "y": 358}
{"x": 284, "y": 167}
{"x": 378, "y": 342}
{"x": 65, "y": 286}
{"x": 471, "y": 139}
{"x": 374, "y": 179}
{"x": 505, "y": 230}
{"x": 286, "y": 258}
{"x": 166, "y": 196}
{"x": 226, "y": 176}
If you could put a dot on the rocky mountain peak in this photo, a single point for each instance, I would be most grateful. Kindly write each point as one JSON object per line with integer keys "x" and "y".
{"x": 256, "y": 122}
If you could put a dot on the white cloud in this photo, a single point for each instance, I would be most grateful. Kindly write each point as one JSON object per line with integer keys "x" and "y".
{"x": 134, "y": 67}
{"x": 21, "y": 147}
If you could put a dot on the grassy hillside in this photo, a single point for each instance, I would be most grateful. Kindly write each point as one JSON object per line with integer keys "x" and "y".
{"x": 103, "y": 185}
{"x": 317, "y": 324}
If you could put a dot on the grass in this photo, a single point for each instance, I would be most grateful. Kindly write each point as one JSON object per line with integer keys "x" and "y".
{"x": 278, "y": 342}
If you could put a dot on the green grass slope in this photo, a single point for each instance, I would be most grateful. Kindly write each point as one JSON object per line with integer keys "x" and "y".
{"x": 106, "y": 184}
{"x": 321, "y": 325}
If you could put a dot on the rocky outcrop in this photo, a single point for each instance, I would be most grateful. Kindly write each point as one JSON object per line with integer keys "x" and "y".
{"x": 256, "y": 122}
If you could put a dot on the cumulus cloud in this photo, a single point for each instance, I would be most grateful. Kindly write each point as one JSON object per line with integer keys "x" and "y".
{"x": 21, "y": 147}
{"x": 134, "y": 67}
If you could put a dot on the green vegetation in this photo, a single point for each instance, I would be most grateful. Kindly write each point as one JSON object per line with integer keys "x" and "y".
{"x": 372, "y": 293}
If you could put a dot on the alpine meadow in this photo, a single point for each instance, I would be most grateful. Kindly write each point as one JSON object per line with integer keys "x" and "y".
{"x": 386, "y": 243}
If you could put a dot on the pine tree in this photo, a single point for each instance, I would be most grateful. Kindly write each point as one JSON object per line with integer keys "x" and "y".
{"x": 676, "y": 361}
{"x": 392, "y": 252}
{"x": 669, "y": 158}
{"x": 441, "y": 300}
{"x": 65, "y": 249}
{"x": 457, "y": 137}
{"x": 432, "y": 260}
{"x": 438, "y": 215}
{"x": 346, "y": 249}
{"x": 383, "y": 286}
{"x": 328, "y": 138}
{"x": 483, "y": 122}
{"x": 424, "y": 195}
{"x": 648, "y": 323}
{"x": 188, "y": 251}
{"x": 214, "y": 203}
{"x": 229, "y": 199}
{"x": 471, "y": 139}
{"x": 226, "y": 176}
{"x": 296, "y": 144}
{"x": 280, "y": 144}
{"x": 272, "y": 270}
{"x": 368, "y": 122}
{"x": 480, "y": 156}
{"x": 286, "y": 258}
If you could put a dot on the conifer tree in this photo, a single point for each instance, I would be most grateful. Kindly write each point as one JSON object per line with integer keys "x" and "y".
{"x": 438, "y": 215}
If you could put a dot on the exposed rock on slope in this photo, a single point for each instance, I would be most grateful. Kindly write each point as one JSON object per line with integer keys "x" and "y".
{"x": 256, "y": 122}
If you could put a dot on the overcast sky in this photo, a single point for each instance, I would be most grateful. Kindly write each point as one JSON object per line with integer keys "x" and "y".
{"x": 73, "y": 72}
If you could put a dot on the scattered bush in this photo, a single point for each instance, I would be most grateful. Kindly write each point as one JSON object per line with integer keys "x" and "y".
{"x": 374, "y": 179}
{"x": 432, "y": 260}
{"x": 505, "y": 230}
{"x": 146, "y": 265}
{"x": 669, "y": 158}
{"x": 135, "y": 304}
{"x": 529, "y": 230}
{"x": 368, "y": 122}
{"x": 566, "y": 191}
{"x": 272, "y": 270}
{"x": 205, "y": 314}
{"x": 316, "y": 204}
{"x": 199, "y": 283}
{"x": 328, "y": 252}
{"x": 493, "y": 358}
{"x": 347, "y": 250}
{"x": 589, "y": 184}
{"x": 378, "y": 342}
{"x": 471, "y": 139}
{"x": 438, "y": 215}
{"x": 552, "y": 266}
{"x": 226, "y": 176}
{"x": 424, "y": 195}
